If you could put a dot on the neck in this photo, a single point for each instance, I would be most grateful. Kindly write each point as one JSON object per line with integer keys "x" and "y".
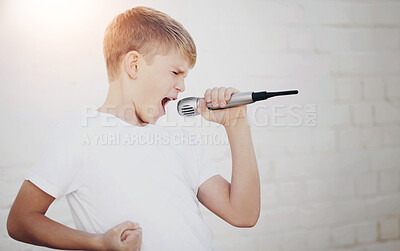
{"x": 119, "y": 106}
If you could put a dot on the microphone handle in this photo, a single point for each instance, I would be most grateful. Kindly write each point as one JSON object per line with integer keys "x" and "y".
{"x": 244, "y": 98}
{"x": 240, "y": 98}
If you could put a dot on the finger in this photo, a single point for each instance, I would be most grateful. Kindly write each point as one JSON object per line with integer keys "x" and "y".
{"x": 228, "y": 93}
{"x": 221, "y": 96}
{"x": 124, "y": 235}
{"x": 123, "y": 226}
{"x": 207, "y": 95}
{"x": 202, "y": 109}
{"x": 134, "y": 238}
{"x": 214, "y": 97}
{"x": 132, "y": 235}
{"x": 140, "y": 244}
{"x": 128, "y": 232}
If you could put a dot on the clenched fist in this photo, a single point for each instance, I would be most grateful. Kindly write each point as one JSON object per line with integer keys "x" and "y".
{"x": 126, "y": 236}
{"x": 219, "y": 97}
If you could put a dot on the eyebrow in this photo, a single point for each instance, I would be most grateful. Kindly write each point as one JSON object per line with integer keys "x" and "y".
{"x": 179, "y": 70}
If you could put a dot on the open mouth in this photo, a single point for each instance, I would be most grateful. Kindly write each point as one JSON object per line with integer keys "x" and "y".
{"x": 165, "y": 101}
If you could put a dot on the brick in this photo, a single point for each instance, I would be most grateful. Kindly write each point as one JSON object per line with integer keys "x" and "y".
{"x": 349, "y": 139}
{"x": 300, "y": 39}
{"x": 362, "y": 114}
{"x": 324, "y": 141}
{"x": 269, "y": 150}
{"x": 391, "y": 135}
{"x": 332, "y": 115}
{"x": 270, "y": 242}
{"x": 282, "y": 65}
{"x": 383, "y": 205}
{"x": 366, "y": 232}
{"x": 389, "y": 180}
{"x": 293, "y": 241}
{"x": 389, "y": 228}
{"x": 274, "y": 220}
{"x": 385, "y": 112}
{"x": 392, "y": 88}
{"x": 265, "y": 170}
{"x": 371, "y": 137}
{"x": 343, "y": 187}
{"x": 349, "y": 211}
{"x": 356, "y": 39}
{"x": 350, "y": 163}
{"x": 308, "y": 88}
{"x": 385, "y": 159}
{"x": 345, "y": 248}
{"x": 318, "y": 239}
{"x": 302, "y": 144}
{"x": 272, "y": 38}
{"x": 268, "y": 194}
{"x": 366, "y": 184}
{"x": 315, "y": 215}
{"x": 281, "y": 12}
{"x": 373, "y": 14}
{"x": 348, "y": 89}
{"x": 273, "y": 13}
{"x": 318, "y": 189}
{"x": 288, "y": 167}
{"x": 373, "y": 89}
{"x": 274, "y": 64}
{"x": 335, "y": 13}
{"x": 291, "y": 192}
{"x": 392, "y": 245}
{"x": 343, "y": 236}
{"x": 365, "y": 64}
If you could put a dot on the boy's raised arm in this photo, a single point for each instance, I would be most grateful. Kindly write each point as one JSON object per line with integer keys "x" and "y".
{"x": 27, "y": 223}
{"x": 237, "y": 202}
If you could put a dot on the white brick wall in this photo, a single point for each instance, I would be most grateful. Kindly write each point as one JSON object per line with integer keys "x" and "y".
{"x": 330, "y": 186}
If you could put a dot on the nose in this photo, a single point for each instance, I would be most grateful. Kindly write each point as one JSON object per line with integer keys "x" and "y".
{"x": 180, "y": 86}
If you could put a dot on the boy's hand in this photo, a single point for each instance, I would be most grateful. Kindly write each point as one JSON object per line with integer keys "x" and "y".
{"x": 126, "y": 236}
{"x": 218, "y": 97}
{"x": 132, "y": 236}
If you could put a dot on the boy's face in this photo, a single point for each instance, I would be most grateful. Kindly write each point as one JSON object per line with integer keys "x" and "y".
{"x": 157, "y": 84}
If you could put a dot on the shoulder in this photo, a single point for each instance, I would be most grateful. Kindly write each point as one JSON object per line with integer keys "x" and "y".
{"x": 70, "y": 123}
{"x": 66, "y": 129}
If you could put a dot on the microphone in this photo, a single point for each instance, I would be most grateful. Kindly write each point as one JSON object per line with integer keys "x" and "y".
{"x": 188, "y": 106}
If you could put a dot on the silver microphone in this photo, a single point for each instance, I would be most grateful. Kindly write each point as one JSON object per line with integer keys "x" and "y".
{"x": 188, "y": 106}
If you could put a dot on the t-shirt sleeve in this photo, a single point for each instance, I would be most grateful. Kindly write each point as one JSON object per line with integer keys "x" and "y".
{"x": 57, "y": 169}
{"x": 206, "y": 167}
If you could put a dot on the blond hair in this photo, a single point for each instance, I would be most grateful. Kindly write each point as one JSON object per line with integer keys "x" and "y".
{"x": 147, "y": 31}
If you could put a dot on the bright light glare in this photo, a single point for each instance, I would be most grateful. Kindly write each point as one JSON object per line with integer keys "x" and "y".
{"x": 50, "y": 12}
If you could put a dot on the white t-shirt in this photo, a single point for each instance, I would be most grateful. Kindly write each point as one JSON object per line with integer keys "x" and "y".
{"x": 113, "y": 173}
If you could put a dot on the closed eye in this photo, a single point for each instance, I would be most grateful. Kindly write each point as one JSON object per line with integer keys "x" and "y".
{"x": 175, "y": 72}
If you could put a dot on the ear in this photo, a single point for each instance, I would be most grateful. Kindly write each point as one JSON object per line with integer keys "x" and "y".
{"x": 131, "y": 63}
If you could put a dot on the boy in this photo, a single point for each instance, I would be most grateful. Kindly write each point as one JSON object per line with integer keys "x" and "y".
{"x": 148, "y": 54}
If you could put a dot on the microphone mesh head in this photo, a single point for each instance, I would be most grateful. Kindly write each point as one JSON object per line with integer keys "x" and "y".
{"x": 187, "y": 107}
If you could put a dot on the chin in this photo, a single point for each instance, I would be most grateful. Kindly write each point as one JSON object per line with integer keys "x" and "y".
{"x": 152, "y": 116}
{"x": 153, "y": 120}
